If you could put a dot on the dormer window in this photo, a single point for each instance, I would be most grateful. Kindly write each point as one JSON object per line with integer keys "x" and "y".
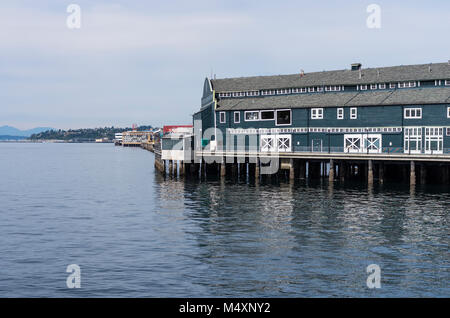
{"x": 382, "y": 86}
{"x": 268, "y": 92}
{"x": 363, "y": 87}
{"x": 283, "y": 91}
{"x": 311, "y": 89}
{"x": 392, "y": 85}
{"x": 253, "y": 93}
{"x": 373, "y": 86}
{"x": 332, "y": 88}
{"x": 447, "y": 82}
{"x": 406, "y": 84}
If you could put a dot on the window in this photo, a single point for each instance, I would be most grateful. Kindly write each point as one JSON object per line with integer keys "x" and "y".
{"x": 316, "y": 113}
{"x": 373, "y": 86}
{"x": 448, "y": 131}
{"x": 311, "y": 89}
{"x": 332, "y": 88}
{"x": 340, "y": 113}
{"x": 447, "y": 82}
{"x": 283, "y": 91}
{"x": 363, "y": 87}
{"x": 283, "y": 117}
{"x": 382, "y": 86}
{"x": 448, "y": 112}
{"x": 413, "y": 113}
{"x": 406, "y": 84}
{"x": 253, "y": 93}
{"x": 251, "y": 116}
{"x": 353, "y": 113}
{"x": 237, "y": 117}
{"x": 319, "y": 89}
{"x": 392, "y": 85}
{"x": 267, "y": 115}
{"x": 222, "y": 117}
{"x": 238, "y": 94}
{"x": 268, "y": 92}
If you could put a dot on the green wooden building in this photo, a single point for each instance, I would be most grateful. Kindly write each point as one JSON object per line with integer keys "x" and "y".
{"x": 389, "y": 111}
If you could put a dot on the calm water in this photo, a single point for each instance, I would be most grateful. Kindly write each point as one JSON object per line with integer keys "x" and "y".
{"x": 136, "y": 235}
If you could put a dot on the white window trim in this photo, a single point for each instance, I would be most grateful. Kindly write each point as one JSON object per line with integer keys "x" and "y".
{"x": 448, "y": 112}
{"x": 411, "y": 117}
{"x": 363, "y": 87}
{"x": 290, "y": 117}
{"x": 250, "y": 111}
{"x": 340, "y": 116}
{"x": 381, "y": 86}
{"x": 224, "y": 118}
{"x": 267, "y": 110}
{"x": 446, "y": 83}
{"x": 239, "y": 117}
{"x": 311, "y": 89}
{"x": 355, "y": 114}
{"x": 317, "y": 116}
{"x": 392, "y": 85}
{"x": 373, "y": 86}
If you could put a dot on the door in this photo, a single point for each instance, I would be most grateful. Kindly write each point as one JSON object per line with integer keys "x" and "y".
{"x": 353, "y": 143}
{"x": 316, "y": 145}
{"x": 372, "y": 143}
{"x": 278, "y": 143}
{"x": 413, "y": 140}
{"x": 284, "y": 143}
{"x": 267, "y": 143}
{"x": 433, "y": 140}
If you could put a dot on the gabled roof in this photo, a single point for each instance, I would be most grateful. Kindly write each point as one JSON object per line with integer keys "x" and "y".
{"x": 341, "y": 77}
{"x": 416, "y": 96}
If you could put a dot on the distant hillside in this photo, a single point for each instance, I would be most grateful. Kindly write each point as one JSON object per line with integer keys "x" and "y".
{"x": 82, "y": 135}
{"x": 14, "y": 132}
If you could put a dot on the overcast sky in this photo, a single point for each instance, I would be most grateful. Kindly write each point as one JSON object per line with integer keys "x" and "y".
{"x": 145, "y": 62}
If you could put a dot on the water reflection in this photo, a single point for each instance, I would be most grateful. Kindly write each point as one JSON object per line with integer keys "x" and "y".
{"x": 316, "y": 239}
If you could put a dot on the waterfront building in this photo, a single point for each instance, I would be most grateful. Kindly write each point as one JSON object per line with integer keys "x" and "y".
{"x": 401, "y": 109}
{"x": 386, "y": 113}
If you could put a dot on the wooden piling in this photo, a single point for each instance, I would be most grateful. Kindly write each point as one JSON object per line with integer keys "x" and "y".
{"x": 331, "y": 173}
{"x": 370, "y": 173}
{"x": 412, "y": 179}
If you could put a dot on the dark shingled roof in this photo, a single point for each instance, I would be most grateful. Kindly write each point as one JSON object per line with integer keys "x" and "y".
{"x": 416, "y": 96}
{"x": 341, "y": 77}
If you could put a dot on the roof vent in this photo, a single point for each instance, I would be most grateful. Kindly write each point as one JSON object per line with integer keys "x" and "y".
{"x": 356, "y": 66}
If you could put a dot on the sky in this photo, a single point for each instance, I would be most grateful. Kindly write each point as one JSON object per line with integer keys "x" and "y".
{"x": 144, "y": 62}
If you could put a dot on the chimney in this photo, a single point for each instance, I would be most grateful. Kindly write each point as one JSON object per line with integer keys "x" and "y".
{"x": 356, "y": 66}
